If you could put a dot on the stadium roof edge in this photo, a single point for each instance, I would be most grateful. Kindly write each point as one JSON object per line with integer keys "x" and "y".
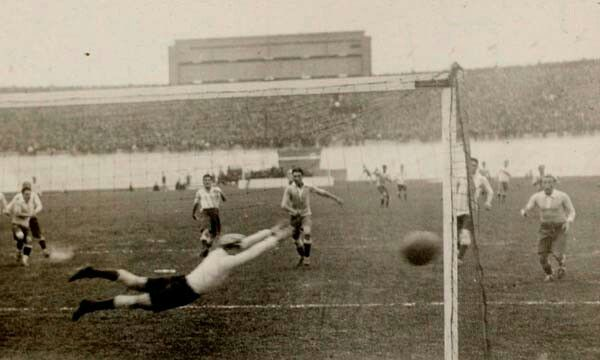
{"x": 225, "y": 90}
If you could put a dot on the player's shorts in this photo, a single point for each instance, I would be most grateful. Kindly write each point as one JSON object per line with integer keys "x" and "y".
{"x": 504, "y": 186}
{"x": 300, "y": 224}
{"x": 209, "y": 219}
{"x": 401, "y": 187}
{"x": 464, "y": 222}
{"x": 552, "y": 239}
{"x": 36, "y": 231}
{"x": 23, "y": 229}
{"x": 169, "y": 292}
{"x": 382, "y": 189}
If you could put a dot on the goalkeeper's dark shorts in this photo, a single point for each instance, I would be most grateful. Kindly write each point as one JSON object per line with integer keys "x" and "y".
{"x": 169, "y": 292}
{"x": 464, "y": 222}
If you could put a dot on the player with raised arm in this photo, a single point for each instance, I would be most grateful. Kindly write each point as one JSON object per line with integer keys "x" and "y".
{"x": 556, "y": 217}
{"x": 208, "y": 199}
{"x": 503, "y": 181}
{"x": 296, "y": 201}
{"x": 464, "y": 220}
{"x": 380, "y": 178}
{"x": 163, "y": 293}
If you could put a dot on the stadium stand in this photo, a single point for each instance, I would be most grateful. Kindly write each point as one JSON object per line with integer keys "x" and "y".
{"x": 502, "y": 103}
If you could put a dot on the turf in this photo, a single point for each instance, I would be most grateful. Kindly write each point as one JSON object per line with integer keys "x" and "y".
{"x": 358, "y": 300}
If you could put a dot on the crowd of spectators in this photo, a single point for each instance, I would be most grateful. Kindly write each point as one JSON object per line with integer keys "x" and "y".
{"x": 500, "y": 103}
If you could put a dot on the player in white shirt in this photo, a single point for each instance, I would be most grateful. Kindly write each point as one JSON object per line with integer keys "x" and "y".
{"x": 400, "y": 180}
{"x": 556, "y": 216}
{"x": 22, "y": 208}
{"x": 163, "y": 293}
{"x": 208, "y": 199}
{"x": 464, "y": 220}
{"x": 537, "y": 180}
{"x": 503, "y": 181}
{"x": 296, "y": 201}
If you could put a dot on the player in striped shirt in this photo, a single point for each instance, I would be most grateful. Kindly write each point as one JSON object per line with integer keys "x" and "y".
{"x": 208, "y": 199}
{"x": 464, "y": 220}
{"x": 163, "y": 293}
{"x": 296, "y": 201}
{"x": 556, "y": 216}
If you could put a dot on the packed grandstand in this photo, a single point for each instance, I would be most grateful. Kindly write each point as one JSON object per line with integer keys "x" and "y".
{"x": 502, "y": 103}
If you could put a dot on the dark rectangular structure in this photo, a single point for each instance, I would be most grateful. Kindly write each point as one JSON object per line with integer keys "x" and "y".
{"x": 265, "y": 58}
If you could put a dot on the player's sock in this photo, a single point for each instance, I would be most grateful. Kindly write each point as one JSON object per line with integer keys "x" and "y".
{"x": 26, "y": 253}
{"x": 462, "y": 250}
{"x": 307, "y": 247}
{"x": 89, "y": 272}
{"x": 103, "y": 305}
{"x": 299, "y": 247}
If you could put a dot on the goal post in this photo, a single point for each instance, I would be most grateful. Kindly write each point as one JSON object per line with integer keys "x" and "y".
{"x": 456, "y": 169}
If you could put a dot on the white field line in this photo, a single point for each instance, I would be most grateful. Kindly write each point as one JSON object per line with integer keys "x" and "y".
{"x": 541, "y": 303}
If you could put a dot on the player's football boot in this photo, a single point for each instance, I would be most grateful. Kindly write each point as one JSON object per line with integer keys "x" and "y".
{"x": 549, "y": 278}
{"x": 84, "y": 273}
{"x": 85, "y": 307}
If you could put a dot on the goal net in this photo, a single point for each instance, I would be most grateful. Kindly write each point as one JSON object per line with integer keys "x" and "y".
{"x": 140, "y": 154}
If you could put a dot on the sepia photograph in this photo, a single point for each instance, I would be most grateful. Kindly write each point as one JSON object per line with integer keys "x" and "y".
{"x": 284, "y": 179}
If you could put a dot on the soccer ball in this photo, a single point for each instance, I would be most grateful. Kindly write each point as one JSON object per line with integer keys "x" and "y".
{"x": 420, "y": 247}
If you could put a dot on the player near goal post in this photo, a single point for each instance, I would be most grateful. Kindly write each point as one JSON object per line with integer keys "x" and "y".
{"x": 556, "y": 216}
{"x": 464, "y": 220}
{"x": 296, "y": 201}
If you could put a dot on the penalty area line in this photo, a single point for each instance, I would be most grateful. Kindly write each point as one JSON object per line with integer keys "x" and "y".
{"x": 331, "y": 306}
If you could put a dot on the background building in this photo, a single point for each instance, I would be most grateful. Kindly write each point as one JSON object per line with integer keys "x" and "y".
{"x": 318, "y": 55}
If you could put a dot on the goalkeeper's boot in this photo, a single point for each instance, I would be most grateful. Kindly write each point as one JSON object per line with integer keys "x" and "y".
{"x": 85, "y": 306}
{"x": 84, "y": 273}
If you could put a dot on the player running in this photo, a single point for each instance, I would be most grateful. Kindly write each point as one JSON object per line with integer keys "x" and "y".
{"x": 163, "y": 293}
{"x": 208, "y": 199}
{"x": 380, "y": 179}
{"x": 503, "y": 181}
{"x": 556, "y": 216}
{"x": 296, "y": 201}
{"x": 464, "y": 221}
{"x": 23, "y": 207}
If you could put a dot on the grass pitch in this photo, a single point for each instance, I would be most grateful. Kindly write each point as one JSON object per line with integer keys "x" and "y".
{"x": 358, "y": 300}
